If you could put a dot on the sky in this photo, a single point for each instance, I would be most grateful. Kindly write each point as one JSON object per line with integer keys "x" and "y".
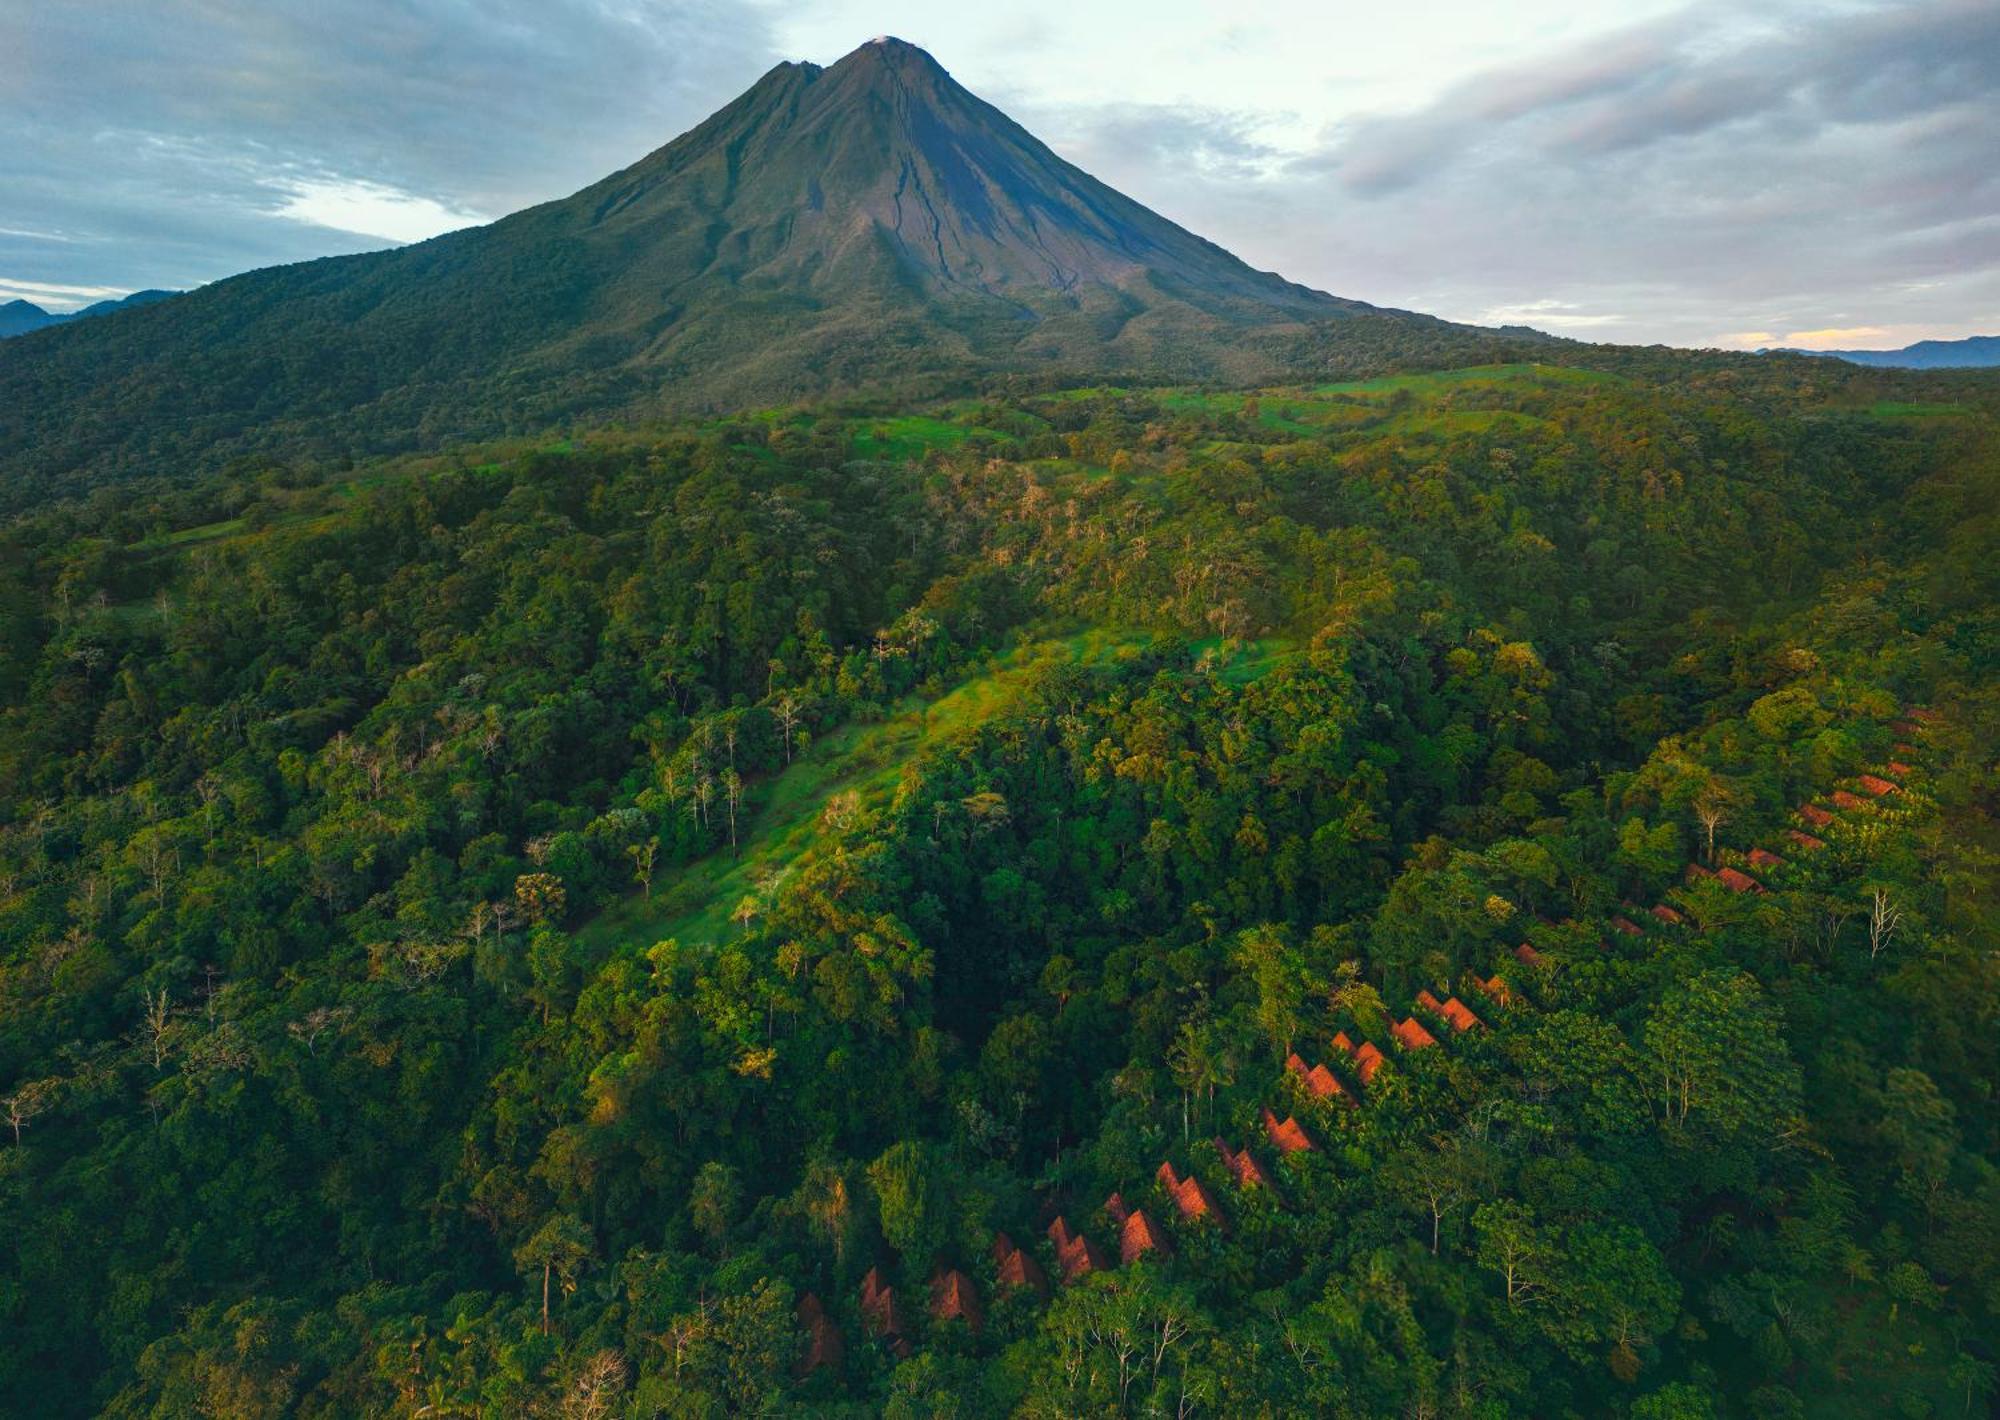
{"x": 1713, "y": 173}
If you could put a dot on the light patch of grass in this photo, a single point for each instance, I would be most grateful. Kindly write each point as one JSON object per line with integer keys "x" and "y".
{"x": 697, "y": 904}
{"x": 1910, "y": 409}
{"x": 1439, "y": 381}
{"x": 906, "y": 437}
{"x": 185, "y": 537}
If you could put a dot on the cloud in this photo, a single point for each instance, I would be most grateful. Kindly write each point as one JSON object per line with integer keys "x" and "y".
{"x": 176, "y": 141}
{"x": 1793, "y": 166}
{"x": 1554, "y": 315}
{"x": 1836, "y": 337}
{"x": 53, "y": 296}
{"x": 372, "y": 210}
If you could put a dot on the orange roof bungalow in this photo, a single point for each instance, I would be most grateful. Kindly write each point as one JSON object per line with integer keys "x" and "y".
{"x": 1738, "y": 882}
{"x": 1015, "y": 1269}
{"x": 1924, "y": 715}
{"x": 1898, "y": 768}
{"x": 1139, "y": 1235}
{"x": 1805, "y": 840}
{"x": 1877, "y": 786}
{"x": 1075, "y": 1253}
{"x": 1318, "y": 1081}
{"x": 880, "y": 1309}
{"x": 1844, "y": 800}
{"x": 1191, "y": 1197}
{"x": 1667, "y": 915}
{"x": 953, "y": 1299}
{"x": 1243, "y": 1166}
{"x": 1018, "y": 1271}
{"x": 1366, "y": 1057}
{"x": 1411, "y": 1035}
{"x": 1459, "y": 1015}
{"x": 1453, "y": 1012}
{"x": 824, "y": 1347}
{"x": 1527, "y": 955}
{"x": 1765, "y": 858}
{"x": 1905, "y": 727}
{"x": 1495, "y": 989}
{"x": 1695, "y": 873}
{"x": 1286, "y": 1136}
{"x": 1815, "y": 815}
{"x": 1627, "y": 926}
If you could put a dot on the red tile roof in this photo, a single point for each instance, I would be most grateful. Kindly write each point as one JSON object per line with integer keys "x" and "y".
{"x": 1878, "y": 786}
{"x": 1765, "y": 858}
{"x": 1243, "y": 1167}
{"x": 1629, "y": 928}
{"x": 1286, "y": 1136}
{"x": 823, "y": 1342}
{"x": 1075, "y": 1253}
{"x": 1844, "y": 800}
{"x": 1898, "y": 768}
{"x": 1453, "y": 1011}
{"x": 1460, "y": 1015}
{"x": 1738, "y": 882}
{"x": 1903, "y": 751}
{"x": 1497, "y": 991}
{"x": 953, "y": 1299}
{"x": 1695, "y": 872}
{"x": 879, "y": 1307}
{"x": 1815, "y": 815}
{"x": 1190, "y": 1195}
{"x": 1805, "y": 840}
{"x": 1923, "y": 714}
{"x": 1318, "y": 1080}
{"x": 1527, "y": 955}
{"x": 1411, "y": 1035}
{"x": 1139, "y": 1235}
{"x": 1667, "y": 914}
{"x": 1367, "y": 1060}
{"x": 1116, "y": 1206}
{"x": 1017, "y": 1269}
{"x": 1002, "y": 1246}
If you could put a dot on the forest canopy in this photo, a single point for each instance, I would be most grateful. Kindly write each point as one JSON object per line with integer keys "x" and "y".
{"x": 1455, "y": 894}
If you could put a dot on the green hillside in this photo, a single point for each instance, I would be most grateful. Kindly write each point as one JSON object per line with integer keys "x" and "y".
{"x": 624, "y": 924}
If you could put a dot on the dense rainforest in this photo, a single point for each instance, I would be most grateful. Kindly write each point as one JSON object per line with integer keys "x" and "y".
{"x": 1460, "y": 894}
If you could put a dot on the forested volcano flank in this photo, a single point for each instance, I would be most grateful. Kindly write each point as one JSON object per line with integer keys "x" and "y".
{"x": 1466, "y": 894}
{"x": 830, "y": 229}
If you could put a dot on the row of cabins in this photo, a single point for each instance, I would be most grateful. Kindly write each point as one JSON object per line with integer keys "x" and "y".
{"x": 952, "y": 1298}
{"x": 1875, "y": 786}
{"x": 952, "y": 1294}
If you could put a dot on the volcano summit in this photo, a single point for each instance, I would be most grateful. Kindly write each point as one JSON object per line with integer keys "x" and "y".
{"x": 831, "y": 229}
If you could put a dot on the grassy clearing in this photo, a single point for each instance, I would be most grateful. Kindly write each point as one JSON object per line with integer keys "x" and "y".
{"x": 1905, "y": 409}
{"x": 697, "y": 903}
{"x": 906, "y": 437}
{"x": 1442, "y": 381}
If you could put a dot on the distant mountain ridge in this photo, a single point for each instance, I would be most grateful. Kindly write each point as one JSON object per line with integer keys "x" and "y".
{"x": 21, "y": 317}
{"x": 1973, "y": 352}
{"x": 829, "y": 230}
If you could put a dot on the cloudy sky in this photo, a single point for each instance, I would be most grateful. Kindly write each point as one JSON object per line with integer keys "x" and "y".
{"x": 1708, "y": 173}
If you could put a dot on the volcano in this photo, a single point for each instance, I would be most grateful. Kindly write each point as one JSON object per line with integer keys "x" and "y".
{"x": 832, "y": 229}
